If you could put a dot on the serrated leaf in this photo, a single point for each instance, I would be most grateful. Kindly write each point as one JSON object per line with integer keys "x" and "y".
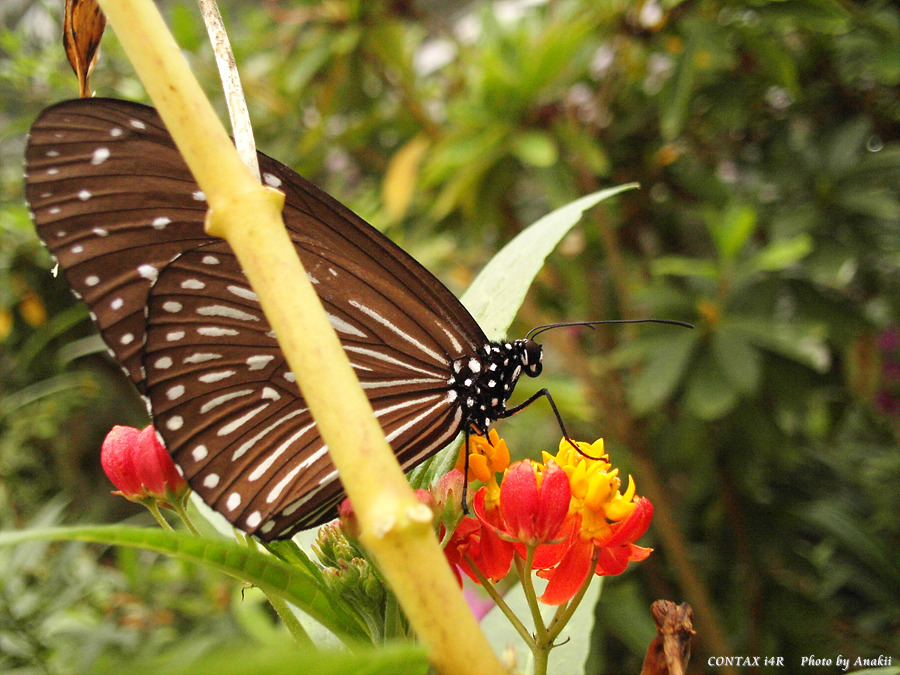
{"x": 499, "y": 289}
{"x": 663, "y": 372}
{"x": 267, "y": 572}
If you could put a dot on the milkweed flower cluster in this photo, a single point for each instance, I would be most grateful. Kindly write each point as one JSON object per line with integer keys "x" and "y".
{"x": 563, "y": 518}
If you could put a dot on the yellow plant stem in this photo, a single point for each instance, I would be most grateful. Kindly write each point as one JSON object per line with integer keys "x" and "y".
{"x": 395, "y": 528}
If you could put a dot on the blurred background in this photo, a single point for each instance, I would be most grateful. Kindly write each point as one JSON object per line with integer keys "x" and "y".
{"x": 764, "y": 135}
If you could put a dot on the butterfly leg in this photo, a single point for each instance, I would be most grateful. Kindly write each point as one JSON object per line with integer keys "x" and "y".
{"x": 509, "y": 412}
{"x": 465, "y": 490}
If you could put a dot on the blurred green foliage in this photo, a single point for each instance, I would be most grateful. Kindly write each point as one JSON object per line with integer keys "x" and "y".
{"x": 764, "y": 135}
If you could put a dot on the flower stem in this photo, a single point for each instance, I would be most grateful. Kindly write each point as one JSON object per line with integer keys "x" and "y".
{"x": 154, "y": 509}
{"x": 290, "y": 621}
{"x": 491, "y": 590}
{"x": 179, "y": 507}
{"x": 542, "y": 643}
{"x": 565, "y": 612}
{"x": 523, "y": 567}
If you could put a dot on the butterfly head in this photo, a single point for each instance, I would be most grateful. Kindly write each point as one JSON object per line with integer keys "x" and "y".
{"x": 530, "y": 355}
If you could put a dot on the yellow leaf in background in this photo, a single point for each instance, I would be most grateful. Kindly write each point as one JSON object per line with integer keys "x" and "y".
{"x": 6, "y": 323}
{"x": 32, "y": 310}
{"x": 401, "y": 177}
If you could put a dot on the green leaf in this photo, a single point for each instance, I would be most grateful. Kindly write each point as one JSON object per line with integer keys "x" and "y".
{"x": 739, "y": 361}
{"x": 285, "y": 659}
{"x": 732, "y": 229}
{"x": 675, "y": 99}
{"x": 499, "y": 289}
{"x": 574, "y": 641}
{"x": 781, "y": 254}
{"x": 271, "y": 575}
{"x": 535, "y": 148}
{"x": 709, "y": 394}
{"x": 681, "y": 266}
{"x": 871, "y": 551}
{"x": 800, "y": 342}
{"x": 663, "y": 372}
{"x": 880, "y": 204}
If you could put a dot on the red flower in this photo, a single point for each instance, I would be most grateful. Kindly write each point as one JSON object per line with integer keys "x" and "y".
{"x": 138, "y": 464}
{"x": 614, "y": 554}
{"x": 566, "y": 518}
{"x": 534, "y": 513}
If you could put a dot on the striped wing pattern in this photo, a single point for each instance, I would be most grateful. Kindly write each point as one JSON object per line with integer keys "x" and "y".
{"x": 118, "y": 208}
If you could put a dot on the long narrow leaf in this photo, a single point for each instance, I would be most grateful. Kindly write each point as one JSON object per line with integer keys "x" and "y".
{"x": 499, "y": 289}
{"x": 265, "y": 571}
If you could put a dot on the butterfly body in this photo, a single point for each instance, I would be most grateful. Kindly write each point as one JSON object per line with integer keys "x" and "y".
{"x": 118, "y": 208}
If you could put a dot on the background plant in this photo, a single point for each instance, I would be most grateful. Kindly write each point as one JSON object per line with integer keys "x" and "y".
{"x": 763, "y": 136}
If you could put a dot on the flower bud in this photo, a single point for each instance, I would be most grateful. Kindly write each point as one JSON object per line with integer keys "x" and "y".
{"x": 138, "y": 464}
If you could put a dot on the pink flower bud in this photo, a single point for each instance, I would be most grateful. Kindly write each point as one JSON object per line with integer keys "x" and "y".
{"x": 137, "y": 463}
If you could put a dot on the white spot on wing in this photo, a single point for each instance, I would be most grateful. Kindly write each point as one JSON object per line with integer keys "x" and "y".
{"x": 342, "y": 326}
{"x": 214, "y": 403}
{"x": 247, "y": 445}
{"x": 174, "y": 423}
{"x": 201, "y": 357}
{"x": 160, "y": 223}
{"x": 237, "y": 423}
{"x": 225, "y": 311}
{"x": 99, "y": 156}
{"x": 217, "y": 376}
{"x": 193, "y": 285}
{"x": 211, "y": 481}
{"x": 271, "y": 180}
{"x": 244, "y": 293}
{"x": 148, "y": 272}
{"x": 397, "y": 331}
{"x": 199, "y": 453}
{"x": 216, "y": 331}
{"x": 84, "y": 195}
{"x": 259, "y": 361}
{"x": 172, "y": 307}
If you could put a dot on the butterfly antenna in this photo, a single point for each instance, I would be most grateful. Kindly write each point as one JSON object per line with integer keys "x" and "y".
{"x": 534, "y": 332}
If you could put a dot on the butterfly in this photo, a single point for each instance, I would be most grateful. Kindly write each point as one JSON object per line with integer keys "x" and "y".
{"x": 117, "y": 207}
